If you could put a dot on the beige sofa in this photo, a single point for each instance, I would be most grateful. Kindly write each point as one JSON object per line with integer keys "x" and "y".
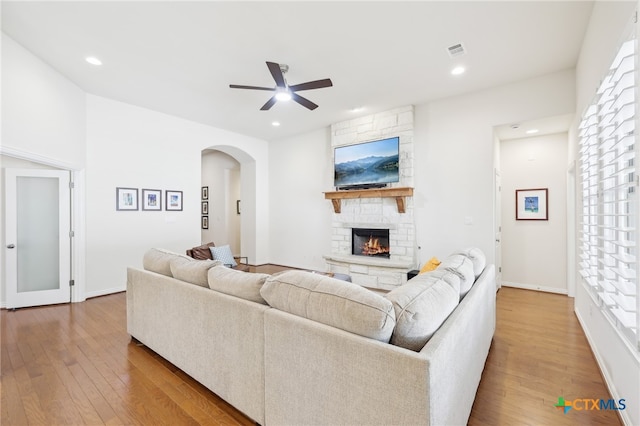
{"x": 301, "y": 348}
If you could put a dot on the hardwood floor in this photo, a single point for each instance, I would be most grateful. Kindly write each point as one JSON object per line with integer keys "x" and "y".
{"x": 75, "y": 364}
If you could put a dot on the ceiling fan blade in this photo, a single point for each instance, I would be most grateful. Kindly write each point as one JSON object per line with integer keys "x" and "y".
{"x": 317, "y": 84}
{"x": 303, "y": 101}
{"x": 271, "y": 102}
{"x": 276, "y": 72}
{"x": 238, "y": 86}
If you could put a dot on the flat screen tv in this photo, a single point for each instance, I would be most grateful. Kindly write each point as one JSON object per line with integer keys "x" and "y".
{"x": 367, "y": 165}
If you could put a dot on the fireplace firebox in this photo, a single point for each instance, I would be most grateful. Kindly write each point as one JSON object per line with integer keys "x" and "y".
{"x": 370, "y": 242}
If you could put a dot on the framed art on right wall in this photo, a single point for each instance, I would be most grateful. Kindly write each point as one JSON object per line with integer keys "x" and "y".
{"x": 532, "y": 204}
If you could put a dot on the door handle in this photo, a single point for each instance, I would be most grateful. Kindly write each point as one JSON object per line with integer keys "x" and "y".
{"x": 10, "y": 246}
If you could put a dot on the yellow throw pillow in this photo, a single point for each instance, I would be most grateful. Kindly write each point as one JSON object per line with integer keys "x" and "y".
{"x": 430, "y": 265}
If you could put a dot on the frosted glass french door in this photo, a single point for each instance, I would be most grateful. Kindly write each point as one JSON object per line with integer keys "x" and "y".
{"x": 38, "y": 245}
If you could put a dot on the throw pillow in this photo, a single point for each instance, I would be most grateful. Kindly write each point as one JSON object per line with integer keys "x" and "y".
{"x": 192, "y": 270}
{"x": 431, "y": 265}
{"x": 202, "y": 252}
{"x": 223, "y": 254}
{"x": 245, "y": 285}
{"x": 333, "y": 302}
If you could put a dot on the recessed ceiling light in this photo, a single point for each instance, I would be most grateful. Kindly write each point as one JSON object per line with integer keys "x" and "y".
{"x": 93, "y": 60}
{"x": 532, "y": 131}
{"x": 275, "y": 123}
{"x": 357, "y": 109}
{"x": 458, "y": 71}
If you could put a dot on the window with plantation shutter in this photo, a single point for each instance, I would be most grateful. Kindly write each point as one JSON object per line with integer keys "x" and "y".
{"x": 609, "y": 215}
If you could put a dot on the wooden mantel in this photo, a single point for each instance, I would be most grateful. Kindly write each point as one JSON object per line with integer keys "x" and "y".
{"x": 397, "y": 193}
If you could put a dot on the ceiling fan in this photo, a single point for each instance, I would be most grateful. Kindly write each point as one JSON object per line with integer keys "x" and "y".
{"x": 283, "y": 91}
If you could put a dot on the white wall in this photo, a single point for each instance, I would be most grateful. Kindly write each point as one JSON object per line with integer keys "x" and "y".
{"x": 221, "y": 173}
{"x": 454, "y": 172}
{"x": 619, "y": 363}
{"x": 534, "y": 254}
{"x": 454, "y": 158}
{"x": 43, "y": 113}
{"x": 134, "y": 147}
{"x": 301, "y": 169}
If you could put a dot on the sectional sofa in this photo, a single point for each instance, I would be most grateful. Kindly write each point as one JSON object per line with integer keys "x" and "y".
{"x": 306, "y": 349}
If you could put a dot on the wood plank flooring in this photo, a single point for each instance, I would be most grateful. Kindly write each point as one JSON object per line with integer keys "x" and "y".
{"x": 75, "y": 364}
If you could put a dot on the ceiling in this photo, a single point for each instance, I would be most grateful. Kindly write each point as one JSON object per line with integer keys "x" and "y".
{"x": 180, "y": 57}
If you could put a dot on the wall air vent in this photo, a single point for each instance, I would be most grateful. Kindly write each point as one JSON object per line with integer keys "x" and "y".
{"x": 456, "y": 50}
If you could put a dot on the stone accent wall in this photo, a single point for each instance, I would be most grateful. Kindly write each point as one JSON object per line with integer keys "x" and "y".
{"x": 377, "y": 212}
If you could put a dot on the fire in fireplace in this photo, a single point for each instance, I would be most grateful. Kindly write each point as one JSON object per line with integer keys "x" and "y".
{"x": 370, "y": 242}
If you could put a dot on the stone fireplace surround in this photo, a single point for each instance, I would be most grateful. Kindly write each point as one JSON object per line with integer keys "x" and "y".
{"x": 376, "y": 212}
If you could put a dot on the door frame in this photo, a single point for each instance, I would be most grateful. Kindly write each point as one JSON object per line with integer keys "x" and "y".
{"x": 78, "y": 291}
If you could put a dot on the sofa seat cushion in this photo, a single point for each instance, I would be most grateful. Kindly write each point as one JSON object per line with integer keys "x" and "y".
{"x": 463, "y": 267}
{"x": 159, "y": 261}
{"x": 421, "y": 306}
{"x": 477, "y": 257}
{"x": 330, "y": 301}
{"x": 245, "y": 285}
{"x": 191, "y": 270}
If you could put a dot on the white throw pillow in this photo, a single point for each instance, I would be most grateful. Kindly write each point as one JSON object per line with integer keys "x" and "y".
{"x": 223, "y": 254}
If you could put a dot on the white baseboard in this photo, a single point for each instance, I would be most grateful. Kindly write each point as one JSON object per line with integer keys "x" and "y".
{"x": 535, "y": 287}
{"x": 112, "y": 290}
{"x": 608, "y": 381}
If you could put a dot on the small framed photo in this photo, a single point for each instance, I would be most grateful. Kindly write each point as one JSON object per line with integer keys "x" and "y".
{"x": 205, "y": 222}
{"x": 127, "y": 199}
{"x": 205, "y": 192}
{"x": 152, "y": 199}
{"x": 205, "y": 207}
{"x": 173, "y": 200}
{"x": 532, "y": 204}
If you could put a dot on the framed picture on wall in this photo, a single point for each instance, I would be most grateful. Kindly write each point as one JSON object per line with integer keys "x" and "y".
{"x": 127, "y": 199}
{"x": 152, "y": 199}
{"x": 205, "y": 222}
{"x": 532, "y": 204}
{"x": 205, "y": 207}
{"x": 205, "y": 192}
{"x": 173, "y": 200}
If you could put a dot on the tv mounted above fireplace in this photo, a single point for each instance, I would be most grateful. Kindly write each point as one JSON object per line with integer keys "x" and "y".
{"x": 371, "y": 164}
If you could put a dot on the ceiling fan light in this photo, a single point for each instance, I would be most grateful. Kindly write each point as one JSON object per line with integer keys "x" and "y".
{"x": 283, "y": 95}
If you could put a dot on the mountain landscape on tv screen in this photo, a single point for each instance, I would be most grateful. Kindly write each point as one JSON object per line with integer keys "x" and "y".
{"x": 373, "y": 169}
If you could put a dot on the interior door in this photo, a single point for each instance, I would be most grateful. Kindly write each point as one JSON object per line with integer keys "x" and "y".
{"x": 498, "y": 229}
{"x": 38, "y": 237}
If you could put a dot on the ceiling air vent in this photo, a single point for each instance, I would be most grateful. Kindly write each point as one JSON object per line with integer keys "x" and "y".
{"x": 456, "y": 50}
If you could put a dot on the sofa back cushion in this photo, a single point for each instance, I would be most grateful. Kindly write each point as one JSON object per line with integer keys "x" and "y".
{"x": 191, "y": 270}
{"x": 461, "y": 266}
{"x": 477, "y": 257}
{"x": 159, "y": 261}
{"x": 245, "y": 285}
{"x": 330, "y": 301}
{"x": 421, "y": 306}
